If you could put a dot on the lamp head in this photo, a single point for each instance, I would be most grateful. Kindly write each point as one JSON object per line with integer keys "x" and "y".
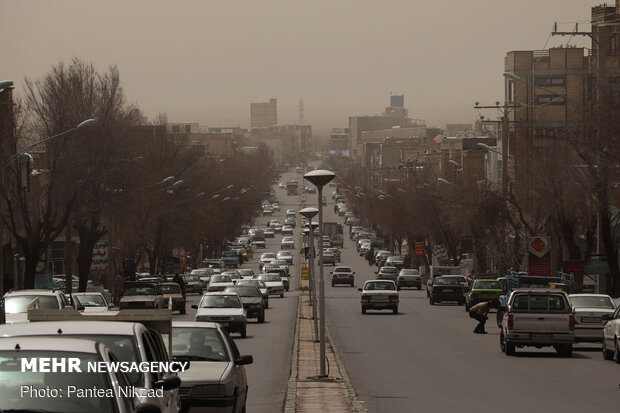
{"x": 309, "y": 212}
{"x": 319, "y": 177}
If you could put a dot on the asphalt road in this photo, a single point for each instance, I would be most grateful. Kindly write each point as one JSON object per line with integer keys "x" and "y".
{"x": 271, "y": 343}
{"x": 427, "y": 359}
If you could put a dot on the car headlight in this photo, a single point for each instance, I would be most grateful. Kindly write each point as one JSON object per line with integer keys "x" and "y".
{"x": 203, "y": 318}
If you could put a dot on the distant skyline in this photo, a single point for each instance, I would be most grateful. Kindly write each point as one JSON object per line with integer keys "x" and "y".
{"x": 206, "y": 60}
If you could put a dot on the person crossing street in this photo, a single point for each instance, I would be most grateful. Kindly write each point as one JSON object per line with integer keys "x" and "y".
{"x": 479, "y": 312}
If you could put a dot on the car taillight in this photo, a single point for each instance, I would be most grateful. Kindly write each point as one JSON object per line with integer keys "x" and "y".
{"x": 350, "y": 275}
{"x": 401, "y": 278}
{"x": 435, "y": 290}
{"x": 572, "y": 322}
{"x": 475, "y": 295}
{"x": 393, "y": 297}
{"x": 510, "y": 321}
{"x": 366, "y": 297}
{"x": 334, "y": 276}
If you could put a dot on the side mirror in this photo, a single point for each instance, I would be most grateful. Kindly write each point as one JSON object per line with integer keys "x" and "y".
{"x": 194, "y": 306}
{"x": 376, "y": 272}
{"x": 244, "y": 360}
{"x": 360, "y": 289}
{"x": 168, "y": 383}
{"x": 110, "y": 305}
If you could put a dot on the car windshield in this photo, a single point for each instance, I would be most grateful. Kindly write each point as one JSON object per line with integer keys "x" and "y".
{"x": 446, "y": 281}
{"x": 342, "y": 269}
{"x": 90, "y": 300}
{"x": 244, "y": 291}
{"x": 19, "y": 303}
{"x": 198, "y": 344}
{"x": 267, "y": 256}
{"x": 171, "y": 289}
{"x": 409, "y": 272}
{"x": 145, "y": 290}
{"x": 592, "y": 301}
{"x": 389, "y": 270}
{"x": 192, "y": 278}
{"x": 200, "y": 272}
{"x": 246, "y": 272}
{"x": 270, "y": 277}
{"x": 221, "y": 279}
{"x": 380, "y": 286}
{"x": 487, "y": 285}
{"x": 229, "y": 254}
{"x": 12, "y": 377}
{"x": 395, "y": 258}
{"x": 220, "y": 301}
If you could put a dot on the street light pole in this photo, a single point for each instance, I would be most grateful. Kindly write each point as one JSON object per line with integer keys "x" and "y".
{"x": 320, "y": 178}
{"x": 309, "y": 213}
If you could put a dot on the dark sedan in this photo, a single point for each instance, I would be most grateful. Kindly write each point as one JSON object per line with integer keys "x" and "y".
{"x": 446, "y": 288}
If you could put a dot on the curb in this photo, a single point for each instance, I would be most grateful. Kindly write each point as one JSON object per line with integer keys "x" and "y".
{"x": 356, "y": 403}
{"x": 290, "y": 399}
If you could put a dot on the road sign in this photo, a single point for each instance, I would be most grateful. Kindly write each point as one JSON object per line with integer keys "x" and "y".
{"x": 305, "y": 273}
{"x": 418, "y": 250}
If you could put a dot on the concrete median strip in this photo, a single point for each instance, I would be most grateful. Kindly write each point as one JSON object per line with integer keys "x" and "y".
{"x": 306, "y": 392}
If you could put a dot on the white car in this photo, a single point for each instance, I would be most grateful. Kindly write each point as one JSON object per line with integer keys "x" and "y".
{"x": 287, "y": 230}
{"x": 379, "y": 295}
{"x": 17, "y": 303}
{"x": 215, "y": 364}
{"x": 15, "y": 349}
{"x": 343, "y": 275}
{"x": 591, "y": 313}
{"x": 246, "y": 273}
{"x": 274, "y": 284}
{"x": 219, "y": 282}
{"x": 409, "y": 278}
{"x": 265, "y": 258}
{"x": 223, "y": 308}
{"x": 91, "y": 302}
{"x": 611, "y": 337}
{"x": 287, "y": 242}
{"x": 286, "y": 256}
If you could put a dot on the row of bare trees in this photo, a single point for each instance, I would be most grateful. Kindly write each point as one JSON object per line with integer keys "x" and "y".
{"x": 121, "y": 178}
{"x": 571, "y": 193}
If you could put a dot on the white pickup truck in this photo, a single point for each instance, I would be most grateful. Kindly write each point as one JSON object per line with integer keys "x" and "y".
{"x": 538, "y": 318}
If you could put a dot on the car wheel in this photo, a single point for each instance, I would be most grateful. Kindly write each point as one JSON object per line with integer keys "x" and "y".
{"x": 431, "y": 301}
{"x": 427, "y": 293}
{"x": 466, "y": 306}
{"x": 282, "y": 295}
{"x": 564, "y": 350}
{"x": 261, "y": 316}
{"x": 266, "y": 304}
{"x": 616, "y": 351}
{"x": 182, "y": 311}
{"x": 395, "y": 310}
{"x": 333, "y": 284}
{"x": 607, "y": 354}
{"x": 419, "y": 287}
{"x": 505, "y": 346}
{"x": 244, "y": 332}
{"x": 363, "y": 310}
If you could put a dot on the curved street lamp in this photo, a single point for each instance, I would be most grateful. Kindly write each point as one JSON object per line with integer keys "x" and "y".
{"x": 310, "y": 213}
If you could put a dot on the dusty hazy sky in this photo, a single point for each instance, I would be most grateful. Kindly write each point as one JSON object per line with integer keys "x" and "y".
{"x": 206, "y": 60}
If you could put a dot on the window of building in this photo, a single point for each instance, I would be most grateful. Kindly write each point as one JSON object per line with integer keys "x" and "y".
{"x": 550, "y": 133}
{"x": 550, "y": 100}
{"x": 546, "y": 81}
{"x": 176, "y": 129}
{"x": 511, "y": 91}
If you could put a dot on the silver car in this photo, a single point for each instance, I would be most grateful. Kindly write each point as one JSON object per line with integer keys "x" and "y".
{"x": 217, "y": 378}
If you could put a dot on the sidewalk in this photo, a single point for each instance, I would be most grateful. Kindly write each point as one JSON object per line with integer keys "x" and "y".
{"x": 307, "y": 393}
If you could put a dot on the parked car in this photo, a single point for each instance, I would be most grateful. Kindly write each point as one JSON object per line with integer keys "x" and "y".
{"x": 216, "y": 364}
{"x": 343, "y": 275}
{"x": 286, "y": 256}
{"x": 446, "y": 288}
{"x": 172, "y": 292}
{"x": 252, "y": 300}
{"x": 379, "y": 295}
{"x": 592, "y": 311}
{"x": 225, "y": 309}
{"x": 409, "y": 278}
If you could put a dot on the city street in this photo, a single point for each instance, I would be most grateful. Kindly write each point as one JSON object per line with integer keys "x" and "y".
{"x": 426, "y": 358}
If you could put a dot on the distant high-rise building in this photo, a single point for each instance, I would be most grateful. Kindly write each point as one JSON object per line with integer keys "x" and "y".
{"x": 264, "y": 114}
{"x": 397, "y": 100}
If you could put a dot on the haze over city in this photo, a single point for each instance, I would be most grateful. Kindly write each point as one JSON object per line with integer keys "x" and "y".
{"x": 206, "y": 61}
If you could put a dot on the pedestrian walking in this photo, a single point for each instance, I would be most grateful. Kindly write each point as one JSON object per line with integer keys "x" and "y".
{"x": 179, "y": 280}
{"x": 479, "y": 312}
